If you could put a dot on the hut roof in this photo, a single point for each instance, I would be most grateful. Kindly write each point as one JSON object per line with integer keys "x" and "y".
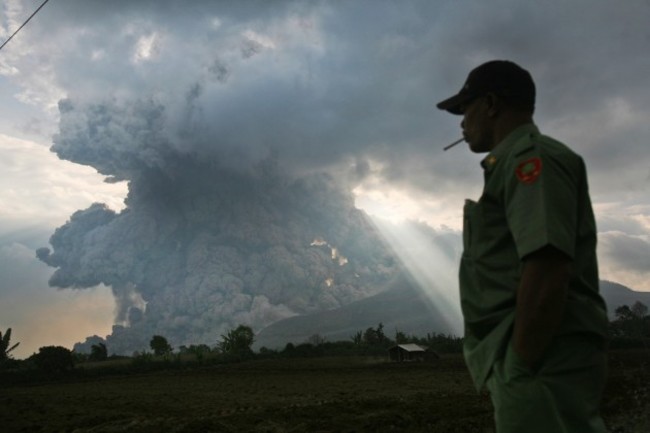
{"x": 411, "y": 347}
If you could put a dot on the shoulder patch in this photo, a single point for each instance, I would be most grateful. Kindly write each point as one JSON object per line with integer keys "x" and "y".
{"x": 529, "y": 170}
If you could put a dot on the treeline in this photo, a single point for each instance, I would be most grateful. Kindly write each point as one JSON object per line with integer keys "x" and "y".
{"x": 55, "y": 362}
{"x": 237, "y": 344}
{"x": 371, "y": 342}
{"x": 629, "y": 329}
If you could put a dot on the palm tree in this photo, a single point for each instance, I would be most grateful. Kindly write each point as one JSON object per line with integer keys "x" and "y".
{"x": 237, "y": 341}
{"x": 4, "y": 345}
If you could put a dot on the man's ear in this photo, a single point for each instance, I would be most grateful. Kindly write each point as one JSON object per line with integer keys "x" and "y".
{"x": 493, "y": 104}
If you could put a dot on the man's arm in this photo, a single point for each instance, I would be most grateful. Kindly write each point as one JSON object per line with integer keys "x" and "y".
{"x": 541, "y": 298}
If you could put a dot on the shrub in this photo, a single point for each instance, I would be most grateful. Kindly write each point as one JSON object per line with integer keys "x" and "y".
{"x": 53, "y": 359}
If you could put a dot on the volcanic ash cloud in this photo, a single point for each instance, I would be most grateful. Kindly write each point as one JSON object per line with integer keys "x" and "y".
{"x": 201, "y": 247}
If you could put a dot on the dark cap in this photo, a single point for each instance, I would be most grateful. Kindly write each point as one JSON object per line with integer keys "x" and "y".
{"x": 502, "y": 77}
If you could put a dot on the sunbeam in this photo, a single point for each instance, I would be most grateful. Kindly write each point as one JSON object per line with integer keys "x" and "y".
{"x": 431, "y": 260}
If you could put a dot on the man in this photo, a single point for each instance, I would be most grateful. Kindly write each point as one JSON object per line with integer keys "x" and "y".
{"x": 535, "y": 324}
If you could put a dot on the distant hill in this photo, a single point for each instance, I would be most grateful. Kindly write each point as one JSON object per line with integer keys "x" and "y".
{"x": 402, "y": 307}
{"x": 616, "y": 295}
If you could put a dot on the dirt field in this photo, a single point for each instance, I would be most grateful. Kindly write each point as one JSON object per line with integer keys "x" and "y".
{"x": 301, "y": 395}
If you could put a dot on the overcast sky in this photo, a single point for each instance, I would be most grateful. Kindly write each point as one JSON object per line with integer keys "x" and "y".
{"x": 347, "y": 88}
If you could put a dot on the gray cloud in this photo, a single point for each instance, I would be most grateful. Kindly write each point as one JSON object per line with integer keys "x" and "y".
{"x": 360, "y": 79}
{"x": 18, "y": 268}
{"x": 622, "y": 223}
{"x": 626, "y": 251}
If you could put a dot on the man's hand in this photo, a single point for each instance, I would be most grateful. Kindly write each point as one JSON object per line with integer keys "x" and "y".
{"x": 541, "y": 298}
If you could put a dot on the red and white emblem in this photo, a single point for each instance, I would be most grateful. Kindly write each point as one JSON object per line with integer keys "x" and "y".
{"x": 529, "y": 170}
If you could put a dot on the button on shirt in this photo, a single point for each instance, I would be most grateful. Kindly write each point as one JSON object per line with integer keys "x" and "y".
{"x": 535, "y": 195}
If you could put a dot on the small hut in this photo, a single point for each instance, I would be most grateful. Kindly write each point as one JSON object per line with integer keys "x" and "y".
{"x": 407, "y": 352}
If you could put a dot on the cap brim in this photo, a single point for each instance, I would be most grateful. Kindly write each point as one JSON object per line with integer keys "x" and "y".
{"x": 453, "y": 104}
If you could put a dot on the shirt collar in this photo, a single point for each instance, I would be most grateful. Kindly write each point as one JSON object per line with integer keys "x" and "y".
{"x": 501, "y": 149}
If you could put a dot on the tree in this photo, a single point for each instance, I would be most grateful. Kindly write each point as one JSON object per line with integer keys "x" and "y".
{"x": 160, "y": 346}
{"x": 237, "y": 341}
{"x": 194, "y": 349}
{"x": 357, "y": 338}
{"x": 316, "y": 340}
{"x": 623, "y": 313}
{"x": 5, "y": 349}
{"x": 443, "y": 343}
{"x": 370, "y": 336}
{"x": 380, "y": 333}
{"x": 639, "y": 310}
{"x": 98, "y": 352}
{"x": 400, "y": 337}
{"x": 375, "y": 336}
{"x": 199, "y": 351}
{"x": 53, "y": 359}
{"x": 631, "y": 322}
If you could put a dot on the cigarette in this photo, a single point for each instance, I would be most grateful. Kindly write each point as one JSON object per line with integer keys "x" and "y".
{"x": 449, "y": 146}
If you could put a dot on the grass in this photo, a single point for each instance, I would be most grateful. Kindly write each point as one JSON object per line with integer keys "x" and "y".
{"x": 292, "y": 395}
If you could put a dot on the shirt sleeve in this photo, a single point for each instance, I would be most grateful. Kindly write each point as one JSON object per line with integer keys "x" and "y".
{"x": 541, "y": 200}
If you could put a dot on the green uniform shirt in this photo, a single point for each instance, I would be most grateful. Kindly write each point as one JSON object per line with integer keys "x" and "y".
{"x": 535, "y": 195}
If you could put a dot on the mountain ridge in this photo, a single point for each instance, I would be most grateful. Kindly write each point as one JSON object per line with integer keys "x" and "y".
{"x": 402, "y": 307}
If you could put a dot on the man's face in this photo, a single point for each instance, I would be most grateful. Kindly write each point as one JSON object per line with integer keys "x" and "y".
{"x": 476, "y": 125}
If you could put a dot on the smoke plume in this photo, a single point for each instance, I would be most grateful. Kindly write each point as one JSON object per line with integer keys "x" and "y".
{"x": 204, "y": 244}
